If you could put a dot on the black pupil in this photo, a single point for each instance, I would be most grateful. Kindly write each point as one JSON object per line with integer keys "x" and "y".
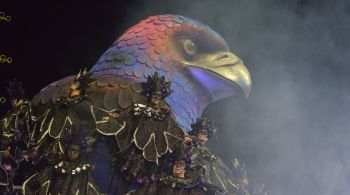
{"x": 190, "y": 45}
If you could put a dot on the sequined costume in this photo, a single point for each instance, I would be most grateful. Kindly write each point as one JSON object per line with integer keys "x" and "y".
{"x": 17, "y": 124}
{"x": 71, "y": 175}
{"x": 70, "y": 114}
{"x": 16, "y": 128}
{"x": 178, "y": 181}
{"x": 62, "y": 178}
{"x": 211, "y": 168}
{"x": 170, "y": 185}
{"x": 155, "y": 132}
{"x": 151, "y": 135}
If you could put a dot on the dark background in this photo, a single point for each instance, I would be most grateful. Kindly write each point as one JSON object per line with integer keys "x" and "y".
{"x": 293, "y": 130}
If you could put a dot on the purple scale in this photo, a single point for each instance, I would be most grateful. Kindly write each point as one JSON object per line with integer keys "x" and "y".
{"x": 151, "y": 31}
{"x": 130, "y": 35}
{"x": 123, "y": 49}
{"x": 154, "y": 56}
{"x": 121, "y": 44}
{"x": 164, "y": 58}
{"x": 138, "y": 74}
{"x": 140, "y": 40}
{"x": 157, "y": 65}
{"x": 149, "y": 50}
{"x": 157, "y": 51}
{"x": 157, "y": 22}
{"x": 131, "y": 49}
{"x": 156, "y": 42}
{"x": 161, "y": 28}
{"x": 169, "y": 31}
{"x": 142, "y": 58}
{"x": 131, "y": 42}
{"x": 137, "y": 53}
{"x": 141, "y": 34}
{"x": 153, "y": 37}
{"x": 144, "y": 45}
{"x": 178, "y": 20}
{"x": 109, "y": 56}
{"x": 115, "y": 43}
{"x": 129, "y": 72}
{"x": 138, "y": 28}
{"x": 117, "y": 66}
{"x": 114, "y": 71}
{"x": 169, "y": 24}
{"x": 162, "y": 35}
{"x": 149, "y": 63}
{"x": 130, "y": 60}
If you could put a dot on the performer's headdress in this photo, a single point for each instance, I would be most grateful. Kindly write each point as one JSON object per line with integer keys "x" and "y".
{"x": 83, "y": 78}
{"x": 203, "y": 125}
{"x": 175, "y": 160}
{"x": 156, "y": 83}
{"x": 15, "y": 90}
{"x": 76, "y": 143}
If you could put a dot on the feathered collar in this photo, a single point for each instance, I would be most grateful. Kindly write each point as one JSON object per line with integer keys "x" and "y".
{"x": 145, "y": 110}
{"x": 72, "y": 168}
{"x": 176, "y": 182}
{"x": 69, "y": 101}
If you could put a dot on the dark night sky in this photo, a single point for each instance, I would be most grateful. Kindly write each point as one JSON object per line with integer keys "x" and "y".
{"x": 292, "y": 131}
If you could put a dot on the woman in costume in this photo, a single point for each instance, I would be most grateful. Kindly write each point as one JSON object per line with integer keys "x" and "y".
{"x": 178, "y": 182}
{"x": 70, "y": 114}
{"x": 17, "y": 124}
{"x": 212, "y": 169}
{"x": 71, "y": 175}
{"x": 152, "y": 135}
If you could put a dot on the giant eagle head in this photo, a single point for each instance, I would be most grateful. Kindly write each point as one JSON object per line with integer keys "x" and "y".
{"x": 190, "y": 54}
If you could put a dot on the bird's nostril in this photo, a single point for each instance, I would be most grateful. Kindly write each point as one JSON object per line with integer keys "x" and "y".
{"x": 223, "y": 56}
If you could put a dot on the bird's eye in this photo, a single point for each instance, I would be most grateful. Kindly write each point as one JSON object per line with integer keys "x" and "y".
{"x": 189, "y": 47}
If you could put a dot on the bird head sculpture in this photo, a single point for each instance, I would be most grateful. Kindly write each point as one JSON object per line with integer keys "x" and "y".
{"x": 190, "y": 54}
{"x": 194, "y": 58}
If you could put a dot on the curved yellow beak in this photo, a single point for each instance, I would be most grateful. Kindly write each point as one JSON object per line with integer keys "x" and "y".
{"x": 227, "y": 66}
